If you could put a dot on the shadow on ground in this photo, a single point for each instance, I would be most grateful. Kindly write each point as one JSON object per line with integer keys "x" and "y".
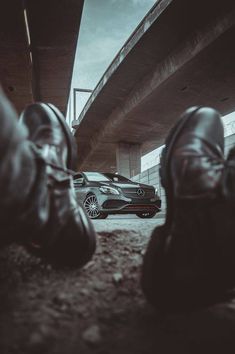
{"x": 99, "y": 309}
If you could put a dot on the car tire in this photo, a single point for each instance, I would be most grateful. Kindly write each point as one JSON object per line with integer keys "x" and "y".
{"x": 146, "y": 215}
{"x": 92, "y": 207}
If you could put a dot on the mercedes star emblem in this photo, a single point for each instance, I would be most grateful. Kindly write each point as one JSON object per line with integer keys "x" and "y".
{"x": 140, "y": 192}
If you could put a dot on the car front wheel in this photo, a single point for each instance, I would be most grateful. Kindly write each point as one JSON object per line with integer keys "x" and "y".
{"x": 147, "y": 215}
{"x": 92, "y": 207}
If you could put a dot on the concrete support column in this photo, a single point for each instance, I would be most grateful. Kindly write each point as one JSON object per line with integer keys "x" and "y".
{"x": 128, "y": 157}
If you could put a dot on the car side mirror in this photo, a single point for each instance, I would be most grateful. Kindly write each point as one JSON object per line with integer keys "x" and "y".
{"x": 79, "y": 182}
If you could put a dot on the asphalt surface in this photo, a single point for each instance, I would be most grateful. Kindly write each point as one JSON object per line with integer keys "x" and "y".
{"x": 100, "y": 309}
{"x": 129, "y": 222}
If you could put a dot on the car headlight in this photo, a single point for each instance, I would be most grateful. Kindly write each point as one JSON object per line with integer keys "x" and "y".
{"x": 108, "y": 190}
{"x": 156, "y": 191}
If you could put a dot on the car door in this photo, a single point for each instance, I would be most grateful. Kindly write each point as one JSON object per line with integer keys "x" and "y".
{"x": 80, "y": 187}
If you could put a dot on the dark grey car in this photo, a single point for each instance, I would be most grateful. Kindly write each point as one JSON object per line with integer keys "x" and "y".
{"x": 108, "y": 193}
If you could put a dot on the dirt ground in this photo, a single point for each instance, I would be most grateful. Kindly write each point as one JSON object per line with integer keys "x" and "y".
{"x": 100, "y": 309}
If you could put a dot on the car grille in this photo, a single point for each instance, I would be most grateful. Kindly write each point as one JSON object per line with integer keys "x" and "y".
{"x": 135, "y": 193}
{"x": 138, "y": 207}
{"x": 109, "y": 204}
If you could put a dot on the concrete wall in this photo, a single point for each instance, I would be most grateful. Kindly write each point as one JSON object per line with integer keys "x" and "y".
{"x": 229, "y": 143}
{"x": 151, "y": 176}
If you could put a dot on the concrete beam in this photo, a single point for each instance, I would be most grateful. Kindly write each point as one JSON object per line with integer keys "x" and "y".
{"x": 53, "y": 31}
{"x": 54, "y": 27}
{"x": 15, "y": 65}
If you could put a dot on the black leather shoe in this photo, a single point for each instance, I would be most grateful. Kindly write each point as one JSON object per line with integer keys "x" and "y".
{"x": 57, "y": 227}
{"x": 47, "y": 127}
{"x": 183, "y": 267}
{"x": 192, "y": 160}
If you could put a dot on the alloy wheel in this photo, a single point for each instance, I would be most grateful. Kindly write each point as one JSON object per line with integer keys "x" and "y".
{"x": 91, "y": 206}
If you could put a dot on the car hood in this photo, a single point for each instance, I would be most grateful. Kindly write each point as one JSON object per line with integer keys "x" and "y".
{"x": 127, "y": 185}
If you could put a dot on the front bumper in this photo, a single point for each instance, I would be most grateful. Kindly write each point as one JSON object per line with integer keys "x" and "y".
{"x": 119, "y": 204}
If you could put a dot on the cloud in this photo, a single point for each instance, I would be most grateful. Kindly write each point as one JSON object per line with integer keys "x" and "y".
{"x": 135, "y": 2}
{"x": 105, "y": 26}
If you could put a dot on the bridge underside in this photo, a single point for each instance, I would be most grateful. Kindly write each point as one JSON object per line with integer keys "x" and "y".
{"x": 38, "y": 67}
{"x": 191, "y": 68}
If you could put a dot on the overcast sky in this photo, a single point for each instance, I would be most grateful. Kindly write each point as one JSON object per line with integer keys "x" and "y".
{"x": 105, "y": 26}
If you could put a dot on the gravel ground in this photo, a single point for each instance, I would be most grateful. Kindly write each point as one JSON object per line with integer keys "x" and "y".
{"x": 100, "y": 309}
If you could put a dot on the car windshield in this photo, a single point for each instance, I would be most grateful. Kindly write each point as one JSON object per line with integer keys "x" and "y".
{"x": 96, "y": 177}
{"x": 116, "y": 178}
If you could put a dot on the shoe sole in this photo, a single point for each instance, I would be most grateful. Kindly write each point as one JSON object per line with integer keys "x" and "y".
{"x": 165, "y": 161}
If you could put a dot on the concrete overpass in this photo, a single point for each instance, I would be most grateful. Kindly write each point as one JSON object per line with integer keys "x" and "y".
{"x": 182, "y": 54}
{"x": 37, "y": 44}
